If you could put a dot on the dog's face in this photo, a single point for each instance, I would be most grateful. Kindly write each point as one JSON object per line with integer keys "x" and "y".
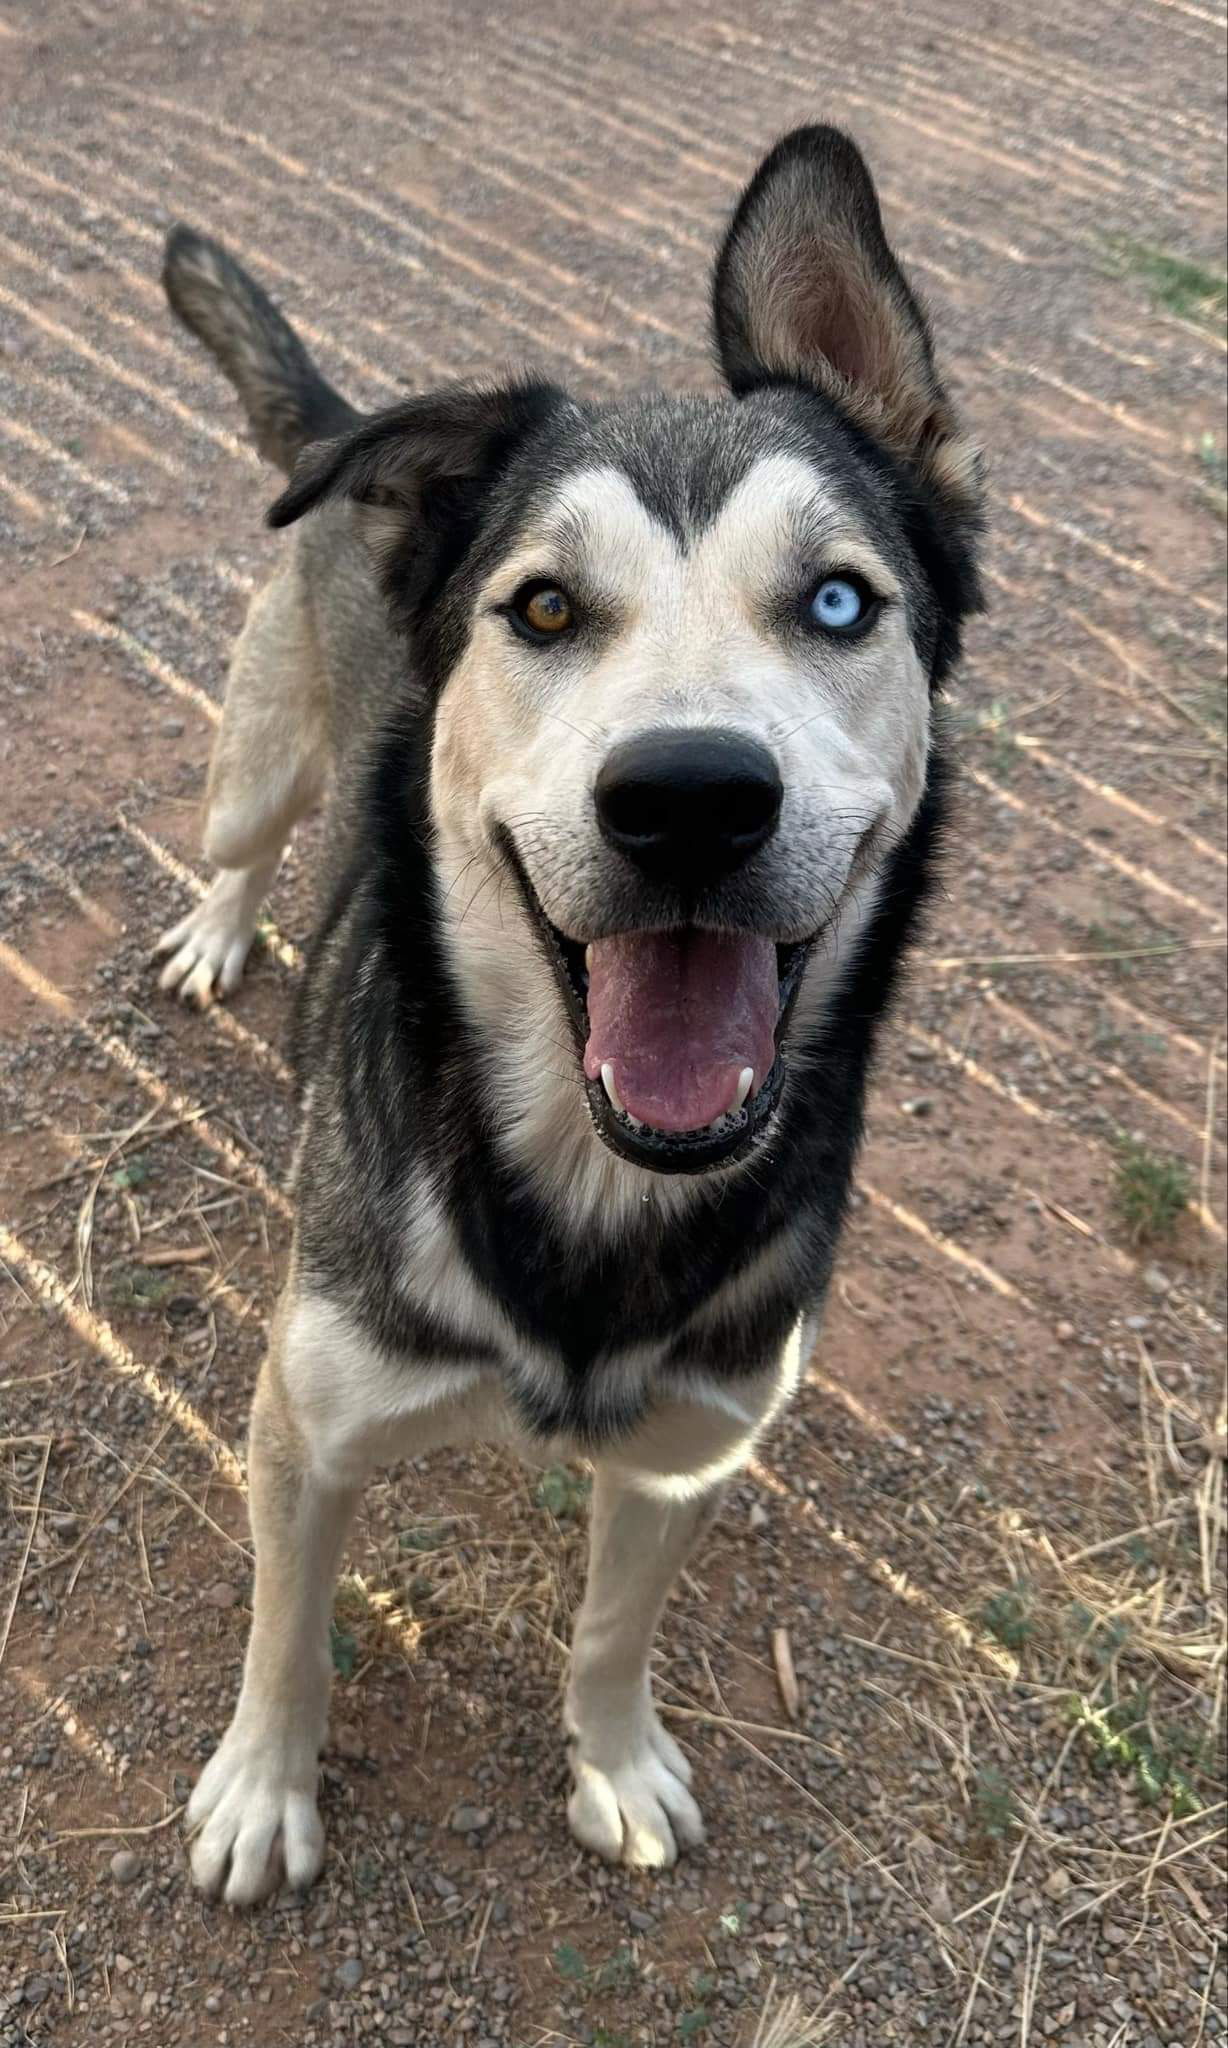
{"x": 684, "y": 653}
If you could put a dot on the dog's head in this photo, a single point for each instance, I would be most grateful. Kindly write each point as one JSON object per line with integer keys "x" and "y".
{"x": 682, "y": 654}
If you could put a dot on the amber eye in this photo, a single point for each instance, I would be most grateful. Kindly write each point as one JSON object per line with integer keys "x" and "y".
{"x": 542, "y": 611}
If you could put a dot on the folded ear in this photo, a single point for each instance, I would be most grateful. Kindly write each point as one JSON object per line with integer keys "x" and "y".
{"x": 417, "y": 464}
{"x": 806, "y": 289}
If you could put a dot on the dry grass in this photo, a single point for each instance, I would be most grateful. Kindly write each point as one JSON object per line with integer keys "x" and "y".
{"x": 783, "y": 2024}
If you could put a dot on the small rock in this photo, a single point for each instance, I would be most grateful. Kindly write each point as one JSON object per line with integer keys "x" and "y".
{"x": 348, "y": 1975}
{"x": 469, "y": 1820}
{"x": 125, "y": 1866}
{"x": 758, "y": 1517}
{"x": 349, "y": 1743}
{"x": 1064, "y": 1333}
{"x": 918, "y": 1105}
{"x": 1057, "y": 1884}
{"x": 220, "y": 1595}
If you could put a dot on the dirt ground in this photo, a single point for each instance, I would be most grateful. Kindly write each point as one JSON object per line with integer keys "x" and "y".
{"x": 992, "y": 1526}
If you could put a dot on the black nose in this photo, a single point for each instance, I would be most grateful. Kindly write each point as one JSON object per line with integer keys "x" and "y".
{"x": 688, "y": 805}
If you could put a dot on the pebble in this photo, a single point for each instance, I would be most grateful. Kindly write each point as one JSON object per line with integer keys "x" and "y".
{"x": 469, "y": 1820}
{"x": 349, "y": 1974}
{"x": 125, "y": 1866}
{"x": 220, "y": 1595}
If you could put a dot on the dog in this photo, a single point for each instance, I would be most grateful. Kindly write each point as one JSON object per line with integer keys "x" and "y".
{"x": 637, "y": 785}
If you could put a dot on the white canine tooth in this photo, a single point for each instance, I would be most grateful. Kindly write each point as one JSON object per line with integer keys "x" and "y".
{"x": 588, "y": 959}
{"x": 607, "y": 1082}
{"x": 746, "y": 1081}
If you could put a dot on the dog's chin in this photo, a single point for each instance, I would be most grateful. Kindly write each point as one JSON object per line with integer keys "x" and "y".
{"x": 731, "y": 1136}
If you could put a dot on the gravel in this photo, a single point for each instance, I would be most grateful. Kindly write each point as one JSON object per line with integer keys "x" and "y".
{"x": 975, "y": 1409}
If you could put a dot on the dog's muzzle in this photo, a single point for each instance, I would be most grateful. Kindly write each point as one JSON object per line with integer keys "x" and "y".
{"x": 680, "y": 1033}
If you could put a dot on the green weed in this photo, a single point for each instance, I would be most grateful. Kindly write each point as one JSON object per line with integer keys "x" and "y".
{"x": 617, "y": 1973}
{"x": 1121, "y": 1737}
{"x": 1094, "y": 1638}
{"x": 1112, "y": 1043}
{"x": 1150, "y": 1191}
{"x": 343, "y": 1649}
{"x": 1127, "y": 945}
{"x": 1008, "y": 1617}
{"x": 134, "y": 1172}
{"x": 692, "y": 2024}
{"x": 1212, "y": 703}
{"x": 1176, "y": 284}
{"x": 1214, "y": 460}
{"x": 1214, "y": 492}
{"x": 136, "y": 1287}
{"x": 563, "y": 1493}
{"x": 993, "y": 1803}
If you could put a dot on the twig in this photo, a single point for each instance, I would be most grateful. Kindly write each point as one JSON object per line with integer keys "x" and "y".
{"x": 1042, "y": 959}
{"x": 1031, "y": 1985}
{"x": 85, "y": 1218}
{"x": 974, "y": 1990}
{"x": 1112, "y": 1542}
{"x": 53, "y": 1563}
{"x": 728, "y": 1721}
{"x": 846, "y": 1834}
{"x": 57, "y": 561}
{"x": 1110, "y": 1891}
{"x": 1204, "y": 1186}
{"x": 786, "y": 1677}
{"x": 25, "y": 1555}
{"x": 481, "y": 1935}
{"x": 150, "y": 1827}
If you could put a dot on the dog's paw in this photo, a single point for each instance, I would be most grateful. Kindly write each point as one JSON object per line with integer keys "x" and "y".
{"x": 254, "y": 1818}
{"x": 638, "y": 1808}
{"x": 210, "y": 945}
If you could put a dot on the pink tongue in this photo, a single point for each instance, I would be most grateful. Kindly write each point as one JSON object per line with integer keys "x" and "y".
{"x": 677, "y": 1016}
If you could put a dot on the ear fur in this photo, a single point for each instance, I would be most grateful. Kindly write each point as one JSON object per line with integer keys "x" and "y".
{"x": 807, "y": 290}
{"x": 401, "y": 465}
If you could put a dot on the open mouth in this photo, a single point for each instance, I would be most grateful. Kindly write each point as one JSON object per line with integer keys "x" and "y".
{"x": 680, "y": 1034}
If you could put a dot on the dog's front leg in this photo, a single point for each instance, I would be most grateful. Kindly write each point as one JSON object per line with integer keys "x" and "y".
{"x": 631, "y": 1800}
{"x": 254, "y": 1808}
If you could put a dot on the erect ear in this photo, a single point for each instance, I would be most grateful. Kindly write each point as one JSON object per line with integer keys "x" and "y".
{"x": 807, "y": 290}
{"x": 418, "y": 464}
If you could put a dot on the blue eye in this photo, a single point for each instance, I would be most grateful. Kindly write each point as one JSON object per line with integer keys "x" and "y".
{"x": 839, "y": 604}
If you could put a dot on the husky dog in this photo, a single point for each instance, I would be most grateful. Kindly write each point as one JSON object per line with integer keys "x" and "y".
{"x": 628, "y": 715}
